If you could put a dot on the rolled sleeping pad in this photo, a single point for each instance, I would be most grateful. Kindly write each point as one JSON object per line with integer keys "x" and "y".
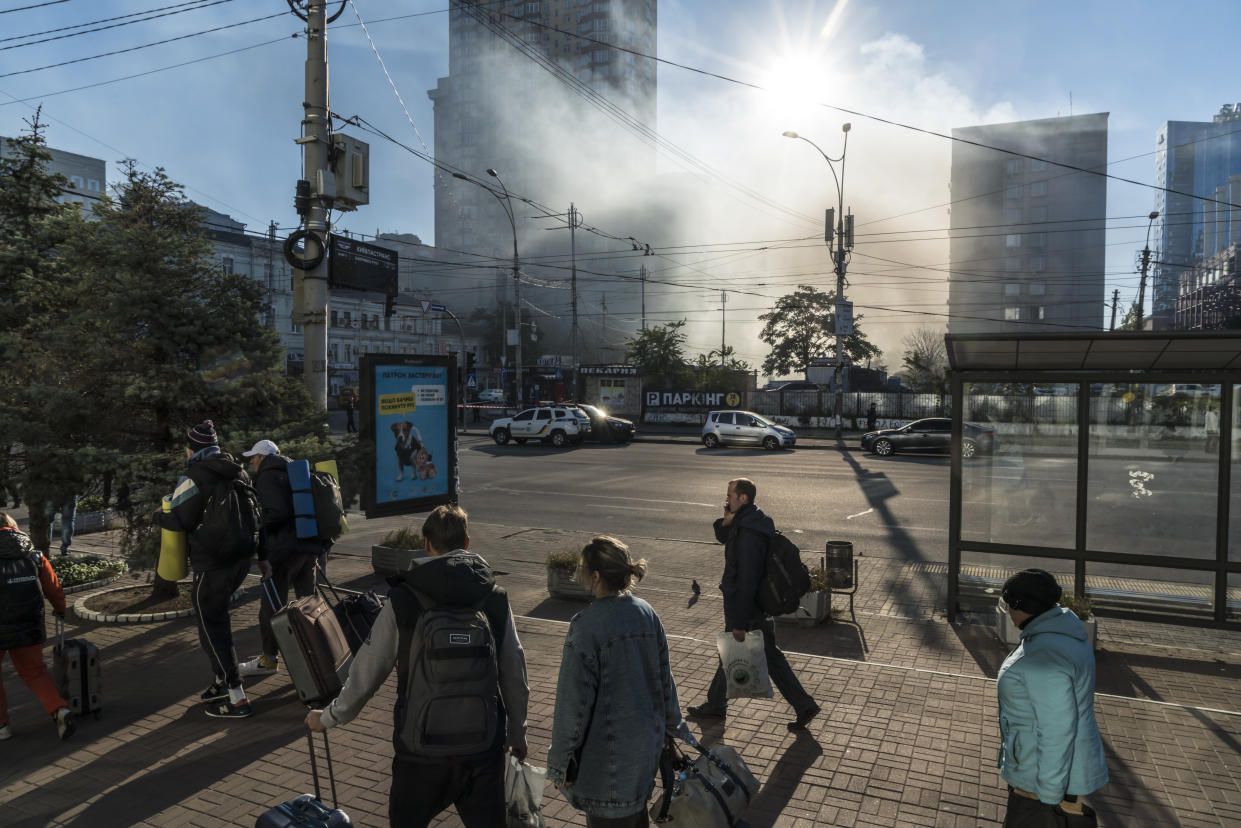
{"x": 303, "y": 500}
{"x": 172, "y": 564}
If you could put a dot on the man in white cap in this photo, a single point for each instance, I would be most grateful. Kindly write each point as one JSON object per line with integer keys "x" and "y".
{"x": 291, "y": 559}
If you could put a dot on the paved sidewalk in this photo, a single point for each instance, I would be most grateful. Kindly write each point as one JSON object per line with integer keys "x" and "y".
{"x": 907, "y": 736}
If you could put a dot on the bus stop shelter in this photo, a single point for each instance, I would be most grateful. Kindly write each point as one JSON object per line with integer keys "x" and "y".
{"x": 1115, "y": 466}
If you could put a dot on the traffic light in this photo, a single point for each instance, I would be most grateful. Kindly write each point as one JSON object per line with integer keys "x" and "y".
{"x": 469, "y": 362}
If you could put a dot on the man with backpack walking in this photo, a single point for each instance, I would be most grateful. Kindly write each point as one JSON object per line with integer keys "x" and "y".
{"x": 461, "y": 682}
{"x": 215, "y": 505}
{"x": 746, "y": 534}
{"x": 293, "y": 560}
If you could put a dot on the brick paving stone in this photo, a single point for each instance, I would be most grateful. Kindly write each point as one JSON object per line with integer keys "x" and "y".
{"x": 907, "y": 737}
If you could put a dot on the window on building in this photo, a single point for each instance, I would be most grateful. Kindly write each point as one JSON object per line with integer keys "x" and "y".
{"x": 1012, "y": 314}
{"x": 1037, "y": 288}
{"x": 1036, "y": 264}
{"x": 1012, "y": 240}
{"x": 226, "y": 265}
{"x": 346, "y": 319}
{"x": 1014, "y": 191}
{"x": 1038, "y": 213}
{"x": 78, "y": 182}
{"x": 1036, "y": 239}
{"x": 1040, "y": 312}
{"x": 92, "y": 184}
{"x": 335, "y": 320}
{"x": 1012, "y": 215}
{"x": 1038, "y": 188}
{"x": 333, "y": 353}
{"x": 1012, "y": 289}
{"x": 1013, "y": 166}
{"x": 1012, "y": 264}
{"x": 1037, "y": 165}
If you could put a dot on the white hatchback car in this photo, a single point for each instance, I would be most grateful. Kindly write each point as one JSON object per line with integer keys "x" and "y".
{"x": 745, "y": 428}
{"x": 557, "y": 425}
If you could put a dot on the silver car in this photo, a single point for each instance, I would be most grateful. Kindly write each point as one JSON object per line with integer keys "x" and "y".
{"x": 745, "y": 428}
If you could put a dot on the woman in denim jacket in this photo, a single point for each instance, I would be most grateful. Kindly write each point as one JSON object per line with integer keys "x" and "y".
{"x": 616, "y": 701}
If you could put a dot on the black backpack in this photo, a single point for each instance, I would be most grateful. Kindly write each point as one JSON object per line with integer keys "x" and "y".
{"x": 230, "y": 523}
{"x": 785, "y": 578}
{"x": 329, "y": 505}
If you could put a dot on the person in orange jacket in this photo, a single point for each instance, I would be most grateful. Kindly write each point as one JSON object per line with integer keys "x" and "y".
{"x": 23, "y": 570}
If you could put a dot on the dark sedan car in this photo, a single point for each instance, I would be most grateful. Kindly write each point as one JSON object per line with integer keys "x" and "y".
{"x": 931, "y": 434}
{"x": 606, "y": 428}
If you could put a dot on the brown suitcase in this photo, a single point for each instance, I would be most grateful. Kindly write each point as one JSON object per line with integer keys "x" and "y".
{"x": 313, "y": 647}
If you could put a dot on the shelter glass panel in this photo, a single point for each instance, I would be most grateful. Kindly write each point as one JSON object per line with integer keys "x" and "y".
{"x": 1020, "y": 486}
{"x": 1234, "y": 466}
{"x": 1153, "y": 474}
{"x": 1172, "y": 592}
{"x": 983, "y": 575}
{"x": 1233, "y": 612}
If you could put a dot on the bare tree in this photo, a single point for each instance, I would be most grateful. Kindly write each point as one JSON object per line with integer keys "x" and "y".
{"x": 925, "y": 361}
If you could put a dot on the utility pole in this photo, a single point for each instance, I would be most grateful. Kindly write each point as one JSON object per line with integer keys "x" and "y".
{"x": 1115, "y": 299}
{"x": 1146, "y": 260}
{"x": 574, "y": 221}
{"x": 723, "y": 305}
{"x": 642, "y": 277}
{"x": 315, "y": 143}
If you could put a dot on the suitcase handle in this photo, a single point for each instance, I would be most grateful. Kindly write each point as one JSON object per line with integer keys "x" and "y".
{"x": 314, "y": 766}
{"x": 60, "y": 634}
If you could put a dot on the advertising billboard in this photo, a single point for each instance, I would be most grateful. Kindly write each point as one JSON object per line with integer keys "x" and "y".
{"x": 408, "y": 405}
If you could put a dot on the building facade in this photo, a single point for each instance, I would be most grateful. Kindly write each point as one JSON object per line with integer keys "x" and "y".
{"x": 87, "y": 177}
{"x": 1193, "y": 158}
{"x": 1209, "y": 298}
{"x": 533, "y": 90}
{"x": 1026, "y": 239}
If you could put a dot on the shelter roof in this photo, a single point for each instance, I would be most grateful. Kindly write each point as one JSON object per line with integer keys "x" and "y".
{"x": 1102, "y": 351}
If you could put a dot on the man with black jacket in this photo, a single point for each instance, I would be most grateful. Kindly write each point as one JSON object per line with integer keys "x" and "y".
{"x": 292, "y": 559}
{"x": 432, "y": 769}
{"x": 745, "y": 532}
{"x": 216, "y": 577}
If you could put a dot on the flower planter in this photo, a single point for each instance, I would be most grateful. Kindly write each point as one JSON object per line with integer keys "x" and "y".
{"x": 390, "y": 562}
{"x": 815, "y": 607}
{"x": 1092, "y": 631}
{"x": 561, "y": 584}
{"x": 86, "y": 522}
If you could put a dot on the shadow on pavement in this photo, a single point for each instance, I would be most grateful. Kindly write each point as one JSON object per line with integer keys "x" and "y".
{"x": 981, "y": 642}
{"x": 554, "y": 609}
{"x": 837, "y": 639}
{"x": 782, "y": 780}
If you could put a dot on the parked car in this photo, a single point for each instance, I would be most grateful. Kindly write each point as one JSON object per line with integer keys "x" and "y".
{"x": 491, "y": 395}
{"x": 605, "y": 427}
{"x": 557, "y": 425}
{"x": 745, "y": 428}
{"x": 931, "y": 434}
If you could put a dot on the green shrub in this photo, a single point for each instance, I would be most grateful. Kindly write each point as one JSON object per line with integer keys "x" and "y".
{"x": 1080, "y": 606}
{"x": 90, "y": 503}
{"x": 404, "y": 538}
{"x": 563, "y": 559}
{"x": 818, "y": 580}
{"x": 73, "y": 570}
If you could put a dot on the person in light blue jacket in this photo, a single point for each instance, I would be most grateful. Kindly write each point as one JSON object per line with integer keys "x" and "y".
{"x": 616, "y": 701}
{"x": 1050, "y": 749}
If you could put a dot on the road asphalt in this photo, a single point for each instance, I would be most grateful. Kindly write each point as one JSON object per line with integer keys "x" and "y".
{"x": 907, "y": 736}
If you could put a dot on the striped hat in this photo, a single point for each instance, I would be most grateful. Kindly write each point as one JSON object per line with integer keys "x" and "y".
{"x": 202, "y": 435}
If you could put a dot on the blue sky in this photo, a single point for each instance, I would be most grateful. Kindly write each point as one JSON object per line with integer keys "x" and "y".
{"x": 224, "y": 126}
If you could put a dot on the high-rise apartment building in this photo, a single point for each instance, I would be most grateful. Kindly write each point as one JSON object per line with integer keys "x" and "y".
{"x": 87, "y": 176}
{"x": 1026, "y": 244}
{"x": 1195, "y": 159}
{"x": 536, "y": 91}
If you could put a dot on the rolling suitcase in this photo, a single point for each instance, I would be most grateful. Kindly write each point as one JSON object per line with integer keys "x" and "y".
{"x": 356, "y": 611}
{"x": 308, "y": 811}
{"x": 312, "y": 646}
{"x": 77, "y": 672}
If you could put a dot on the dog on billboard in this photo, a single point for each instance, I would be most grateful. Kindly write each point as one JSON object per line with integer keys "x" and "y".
{"x": 408, "y": 444}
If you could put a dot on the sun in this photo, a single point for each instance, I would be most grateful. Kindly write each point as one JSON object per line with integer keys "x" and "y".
{"x": 796, "y": 86}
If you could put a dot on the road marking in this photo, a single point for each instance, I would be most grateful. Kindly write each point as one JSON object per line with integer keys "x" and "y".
{"x": 490, "y": 488}
{"x": 626, "y": 508}
{"x": 859, "y": 514}
{"x": 944, "y": 673}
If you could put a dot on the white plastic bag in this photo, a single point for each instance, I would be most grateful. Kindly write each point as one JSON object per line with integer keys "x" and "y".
{"x": 523, "y": 794}
{"x": 745, "y": 665}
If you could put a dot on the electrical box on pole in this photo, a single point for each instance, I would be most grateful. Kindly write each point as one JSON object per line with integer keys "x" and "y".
{"x": 829, "y": 225}
{"x": 848, "y": 240}
{"x": 351, "y": 167}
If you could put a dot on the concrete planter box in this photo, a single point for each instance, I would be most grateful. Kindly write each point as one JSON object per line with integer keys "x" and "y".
{"x": 87, "y": 521}
{"x": 1092, "y": 631}
{"x": 389, "y": 562}
{"x": 561, "y": 584}
{"x": 815, "y": 608}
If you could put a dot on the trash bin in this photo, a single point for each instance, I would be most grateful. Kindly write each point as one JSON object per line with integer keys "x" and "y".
{"x": 840, "y": 564}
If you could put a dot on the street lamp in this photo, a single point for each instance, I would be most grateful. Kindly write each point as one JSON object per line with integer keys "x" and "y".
{"x": 1146, "y": 260}
{"x": 506, "y": 201}
{"x": 842, "y": 245}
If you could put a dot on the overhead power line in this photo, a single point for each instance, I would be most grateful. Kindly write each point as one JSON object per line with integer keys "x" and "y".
{"x": 179, "y": 7}
{"x": 34, "y": 6}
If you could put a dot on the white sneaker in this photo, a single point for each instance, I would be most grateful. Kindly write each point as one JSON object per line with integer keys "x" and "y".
{"x": 65, "y": 723}
{"x": 5, "y": 732}
{"x": 258, "y": 666}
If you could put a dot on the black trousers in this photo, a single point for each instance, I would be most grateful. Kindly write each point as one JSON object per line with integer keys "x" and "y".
{"x": 421, "y": 790}
{"x": 211, "y": 591}
{"x": 1024, "y": 812}
{"x": 638, "y": 820}
{"x": 782, "y": 675}
{"x": 296, "y": 571}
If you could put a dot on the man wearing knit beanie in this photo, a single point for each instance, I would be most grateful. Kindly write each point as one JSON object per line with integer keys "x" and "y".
{"x": 1031, "y": 592}
{"x": 219, "y": 554}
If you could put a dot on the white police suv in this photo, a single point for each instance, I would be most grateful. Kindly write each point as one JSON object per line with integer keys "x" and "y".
{"x": 557, "y": 425}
